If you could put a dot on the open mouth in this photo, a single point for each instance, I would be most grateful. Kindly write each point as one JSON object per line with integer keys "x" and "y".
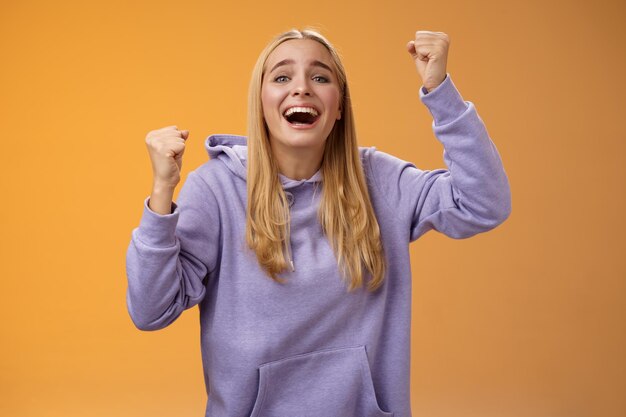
{"x": 301, "y": 116}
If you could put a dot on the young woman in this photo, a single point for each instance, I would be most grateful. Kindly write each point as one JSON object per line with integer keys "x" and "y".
{"x": 294, "y": 241}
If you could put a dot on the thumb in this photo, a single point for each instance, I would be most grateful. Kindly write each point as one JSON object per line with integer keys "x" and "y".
{"x": 410, "y": 47}
{"x": 185, "y": 134}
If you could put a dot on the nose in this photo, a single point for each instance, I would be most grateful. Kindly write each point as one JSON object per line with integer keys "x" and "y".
{"x": 301, "y": 87}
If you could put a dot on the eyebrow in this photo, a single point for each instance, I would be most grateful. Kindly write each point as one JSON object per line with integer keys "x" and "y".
{"x": 314, "y": 63}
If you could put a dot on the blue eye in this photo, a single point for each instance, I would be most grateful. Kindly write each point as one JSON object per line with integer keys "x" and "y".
{"x": 277, "y": 79}
{"x": 321, "y": 78}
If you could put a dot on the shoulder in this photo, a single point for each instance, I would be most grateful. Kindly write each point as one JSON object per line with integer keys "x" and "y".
{"x": 385, "y": 175}
{"x": 377, "y": 162}
{"x": 213, "y": 173}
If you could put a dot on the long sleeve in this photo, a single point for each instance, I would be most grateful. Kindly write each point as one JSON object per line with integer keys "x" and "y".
{"x": 171, "y": 256}
{"x": 471, "y": 196}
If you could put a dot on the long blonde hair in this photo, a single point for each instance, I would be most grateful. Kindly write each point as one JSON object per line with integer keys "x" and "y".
{"x": 345, "y": 213}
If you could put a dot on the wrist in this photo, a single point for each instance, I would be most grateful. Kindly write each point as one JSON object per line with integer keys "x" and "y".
{"x": 163, "y": 188}
{"x": 430, "y": 89}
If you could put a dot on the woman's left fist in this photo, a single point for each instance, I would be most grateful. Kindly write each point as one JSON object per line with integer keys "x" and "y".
{"x": 429, "y": 50}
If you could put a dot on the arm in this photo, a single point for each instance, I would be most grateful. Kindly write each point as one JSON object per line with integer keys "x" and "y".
{"x": 469, "y": 197}
{"x": 170, "y": 256}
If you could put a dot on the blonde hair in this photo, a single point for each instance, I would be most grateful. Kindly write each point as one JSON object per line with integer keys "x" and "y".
{"x": 345, "y": 212}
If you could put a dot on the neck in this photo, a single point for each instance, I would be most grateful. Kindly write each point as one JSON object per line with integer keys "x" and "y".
{"x": 298, "y": 164}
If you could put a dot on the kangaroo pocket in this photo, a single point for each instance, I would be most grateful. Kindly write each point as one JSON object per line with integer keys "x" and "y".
{"x": 330, "y": 383}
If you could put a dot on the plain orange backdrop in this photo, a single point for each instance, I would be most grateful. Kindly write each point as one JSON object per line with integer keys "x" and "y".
{"x": 525, "y": 320}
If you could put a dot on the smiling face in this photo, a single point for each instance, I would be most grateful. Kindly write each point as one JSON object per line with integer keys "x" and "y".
{"x": 300, "y": 96}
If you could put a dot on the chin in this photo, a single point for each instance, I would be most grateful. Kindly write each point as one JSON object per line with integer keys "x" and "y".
{"x": 299, "y": 140}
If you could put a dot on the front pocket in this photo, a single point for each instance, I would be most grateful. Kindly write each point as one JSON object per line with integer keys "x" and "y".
{"x": 330, "y": 383}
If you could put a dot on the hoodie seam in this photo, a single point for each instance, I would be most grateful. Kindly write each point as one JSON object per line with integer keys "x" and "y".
{"x": 376, "y": 183}
{"x": 219, "y": 222}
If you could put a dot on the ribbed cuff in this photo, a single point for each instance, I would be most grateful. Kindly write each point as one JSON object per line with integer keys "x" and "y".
{"x": 156, "y": 229}
{"x": 444, "y": 102}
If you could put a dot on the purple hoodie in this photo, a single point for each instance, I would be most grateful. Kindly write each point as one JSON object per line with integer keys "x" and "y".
{"x": 308, "y": 347}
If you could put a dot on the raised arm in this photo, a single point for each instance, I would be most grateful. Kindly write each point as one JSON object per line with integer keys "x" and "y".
{"x": 171, "y": 255}
{"x": 473, "y": 194}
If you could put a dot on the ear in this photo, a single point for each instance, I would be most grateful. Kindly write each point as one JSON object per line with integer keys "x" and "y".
{"x": 339, "y": 115}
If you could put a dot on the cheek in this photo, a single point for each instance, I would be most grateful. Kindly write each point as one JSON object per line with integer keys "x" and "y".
{"x": 333, "y": 100}
{"x": 270, "y": 100}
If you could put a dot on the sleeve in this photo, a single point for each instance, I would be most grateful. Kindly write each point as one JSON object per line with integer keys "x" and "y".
{"x": 171, "y": 256}
{"x": 471, "y": 196}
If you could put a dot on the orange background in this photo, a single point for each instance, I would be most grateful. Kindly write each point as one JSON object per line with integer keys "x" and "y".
{"x": 526, "y": 320}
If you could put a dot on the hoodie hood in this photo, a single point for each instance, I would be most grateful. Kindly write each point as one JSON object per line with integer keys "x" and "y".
{"x": 232, "y": 150}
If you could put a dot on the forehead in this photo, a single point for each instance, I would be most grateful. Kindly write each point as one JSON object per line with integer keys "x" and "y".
{"x": 301, "y": 51}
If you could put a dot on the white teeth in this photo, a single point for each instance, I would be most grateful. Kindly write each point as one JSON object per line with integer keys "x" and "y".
{"x": 292, "y": 110}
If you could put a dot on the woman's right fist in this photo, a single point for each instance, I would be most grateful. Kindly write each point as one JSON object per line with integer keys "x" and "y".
{"x": 166, "y": 147}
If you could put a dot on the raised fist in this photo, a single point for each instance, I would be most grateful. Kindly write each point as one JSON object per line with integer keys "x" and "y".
{"x": 166, "y": 147}
{"x": 429, "y": 50}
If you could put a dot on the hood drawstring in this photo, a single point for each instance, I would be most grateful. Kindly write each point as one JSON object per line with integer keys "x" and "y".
{"x": 290, "y": 199}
